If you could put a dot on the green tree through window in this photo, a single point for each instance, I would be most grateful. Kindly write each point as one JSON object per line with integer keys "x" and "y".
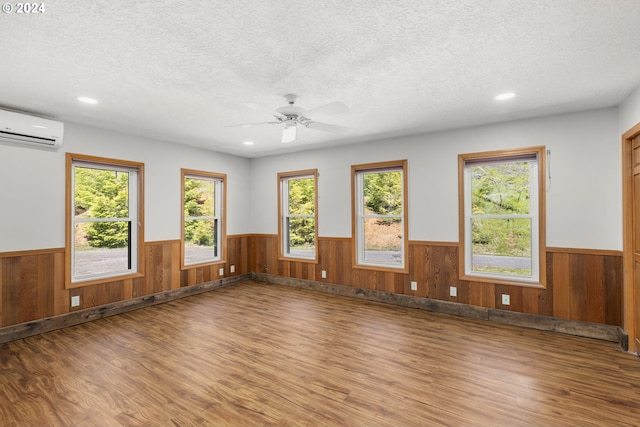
{"x": 380, "y": 215}
{"x": 501, "y": 189}
{"x": 199, "y": 202}
{"x": 102, "y": 193}
{"x": 202, "y": 210}
{"x": 105, "y": 229}
{"x": 501, "y": 215}
{"x": 302, "y": 231}
{"x": 297, "y": 194}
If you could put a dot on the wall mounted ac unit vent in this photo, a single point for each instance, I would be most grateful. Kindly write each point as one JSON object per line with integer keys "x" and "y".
{"x": 23, "y": 129}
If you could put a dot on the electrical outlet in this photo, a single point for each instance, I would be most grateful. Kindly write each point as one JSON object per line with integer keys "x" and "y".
{"x": 324, "y": 274}
{"x": 506, "y": 299}
{"x": 75, "y": 301}
{"x": 232, "y": 269}
{"x": 221, "y": 272}
{"x": 414, "y": 285}
{"x": 453, "y": 291}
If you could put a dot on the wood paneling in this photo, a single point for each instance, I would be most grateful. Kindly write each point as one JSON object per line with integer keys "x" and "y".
{"x": 588, "y": 287}
{"x": 264, "y": 253}
{"x": 27, "y": 285}
{"x": 238, "y": 247}
{"x": 32, "y": 282}
{"x": 99, "y": 294}
{"x": 269, "y": 355}
{"x": 162, "y": 266}
{"x": 582, "y": 285}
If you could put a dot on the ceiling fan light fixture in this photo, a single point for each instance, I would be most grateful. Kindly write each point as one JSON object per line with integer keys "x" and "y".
{"x": 289, "y": 133}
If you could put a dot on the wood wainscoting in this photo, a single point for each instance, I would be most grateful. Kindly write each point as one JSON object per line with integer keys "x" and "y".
{"x": 32, "y": 285}
{"x": 582, "y": 285}
{"x": 32, "y": 282}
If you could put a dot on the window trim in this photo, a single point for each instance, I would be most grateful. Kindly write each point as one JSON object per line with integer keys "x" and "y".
{"x": 193, "y": 173}
{"x": 286, "y": 176}
{"x": 492, "y": 156}
{"x": 70, "y": 159}
{"x": 355, "y": 235}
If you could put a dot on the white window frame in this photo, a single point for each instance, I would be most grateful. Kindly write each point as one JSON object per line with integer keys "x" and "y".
{"x": 534, "y": 156}
{"x": 358, "y": 172}
{"x": 217, "y": 218}
{"x": 285, "y": 215}
{"x": 133, "y": 219}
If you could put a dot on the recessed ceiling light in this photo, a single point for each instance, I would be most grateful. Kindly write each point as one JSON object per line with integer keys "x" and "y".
{"x": 248, "y": 143}
{"x": 505, "y": 96}
{"x": 39, "y": 126}
{"x": 87, "y": 100}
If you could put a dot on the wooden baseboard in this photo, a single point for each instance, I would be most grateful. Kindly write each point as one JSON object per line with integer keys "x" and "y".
{"x": 48, "y": 324}
{"x": 447, "y": 307}
{"x": 570, "y": 327}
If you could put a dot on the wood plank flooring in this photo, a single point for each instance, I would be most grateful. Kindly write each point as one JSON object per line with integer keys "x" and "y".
{"x": 257, "y": 354}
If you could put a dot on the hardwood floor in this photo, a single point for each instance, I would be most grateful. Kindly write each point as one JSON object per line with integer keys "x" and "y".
{"x": 257, "y": 354}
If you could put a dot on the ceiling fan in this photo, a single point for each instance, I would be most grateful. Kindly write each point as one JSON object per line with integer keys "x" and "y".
{"x": 292, "y": 116}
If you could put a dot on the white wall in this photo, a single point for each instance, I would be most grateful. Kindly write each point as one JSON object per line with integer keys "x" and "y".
{"x": 33, "y": 186}
{"x": 630, "y": 111}
{"x": 584, "y": 201}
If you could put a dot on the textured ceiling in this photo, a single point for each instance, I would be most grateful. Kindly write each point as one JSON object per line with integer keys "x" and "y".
{"x": 183, "y": 71}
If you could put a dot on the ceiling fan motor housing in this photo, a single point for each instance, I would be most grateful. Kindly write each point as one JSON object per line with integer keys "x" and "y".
{"x": 291, "y": 98}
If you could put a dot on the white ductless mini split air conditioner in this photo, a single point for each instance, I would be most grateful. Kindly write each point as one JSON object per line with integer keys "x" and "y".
{"x": 27, "y": 130}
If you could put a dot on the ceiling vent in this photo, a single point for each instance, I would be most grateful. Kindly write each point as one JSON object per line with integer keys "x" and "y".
{"x": 26, "y": 130}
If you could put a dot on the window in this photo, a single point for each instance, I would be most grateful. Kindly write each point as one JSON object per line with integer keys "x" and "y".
{"x": 104, "y": 217}
{"x": 298, "y": 214}
{"x": 202, "y": 217}
{"x": 380, "y": 216}
{"x": 502, "y": 216}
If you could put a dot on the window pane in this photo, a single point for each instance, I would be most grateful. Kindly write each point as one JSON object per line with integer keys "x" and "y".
{"x": 100, "y": 248}
{"x": 383, "y": 240}
{"x": 501, "y": 245}
{"x": 199, "y": 240}
{"x": 301, "y": 196}
{"x": 383, "y": 192}
{"x": 198, "y": 197}
{"x": 101, "y": 193}
{"x": 302, "y": 236}
{"x": 500, "y": 188}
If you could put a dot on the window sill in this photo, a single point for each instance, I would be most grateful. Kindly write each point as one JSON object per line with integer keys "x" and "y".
{"x": 498, "y": 281}
{"x": 202, "y": 264}
{"x": 296, "y": 259}
{"x": 400, "y": 270}
{"x": 92, "y": 282}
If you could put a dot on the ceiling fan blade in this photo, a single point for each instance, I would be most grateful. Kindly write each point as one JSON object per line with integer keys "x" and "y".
{"x": 340, "y": 130}
{"x": 329, "y": 109}
{"x": 289, "y": 133}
